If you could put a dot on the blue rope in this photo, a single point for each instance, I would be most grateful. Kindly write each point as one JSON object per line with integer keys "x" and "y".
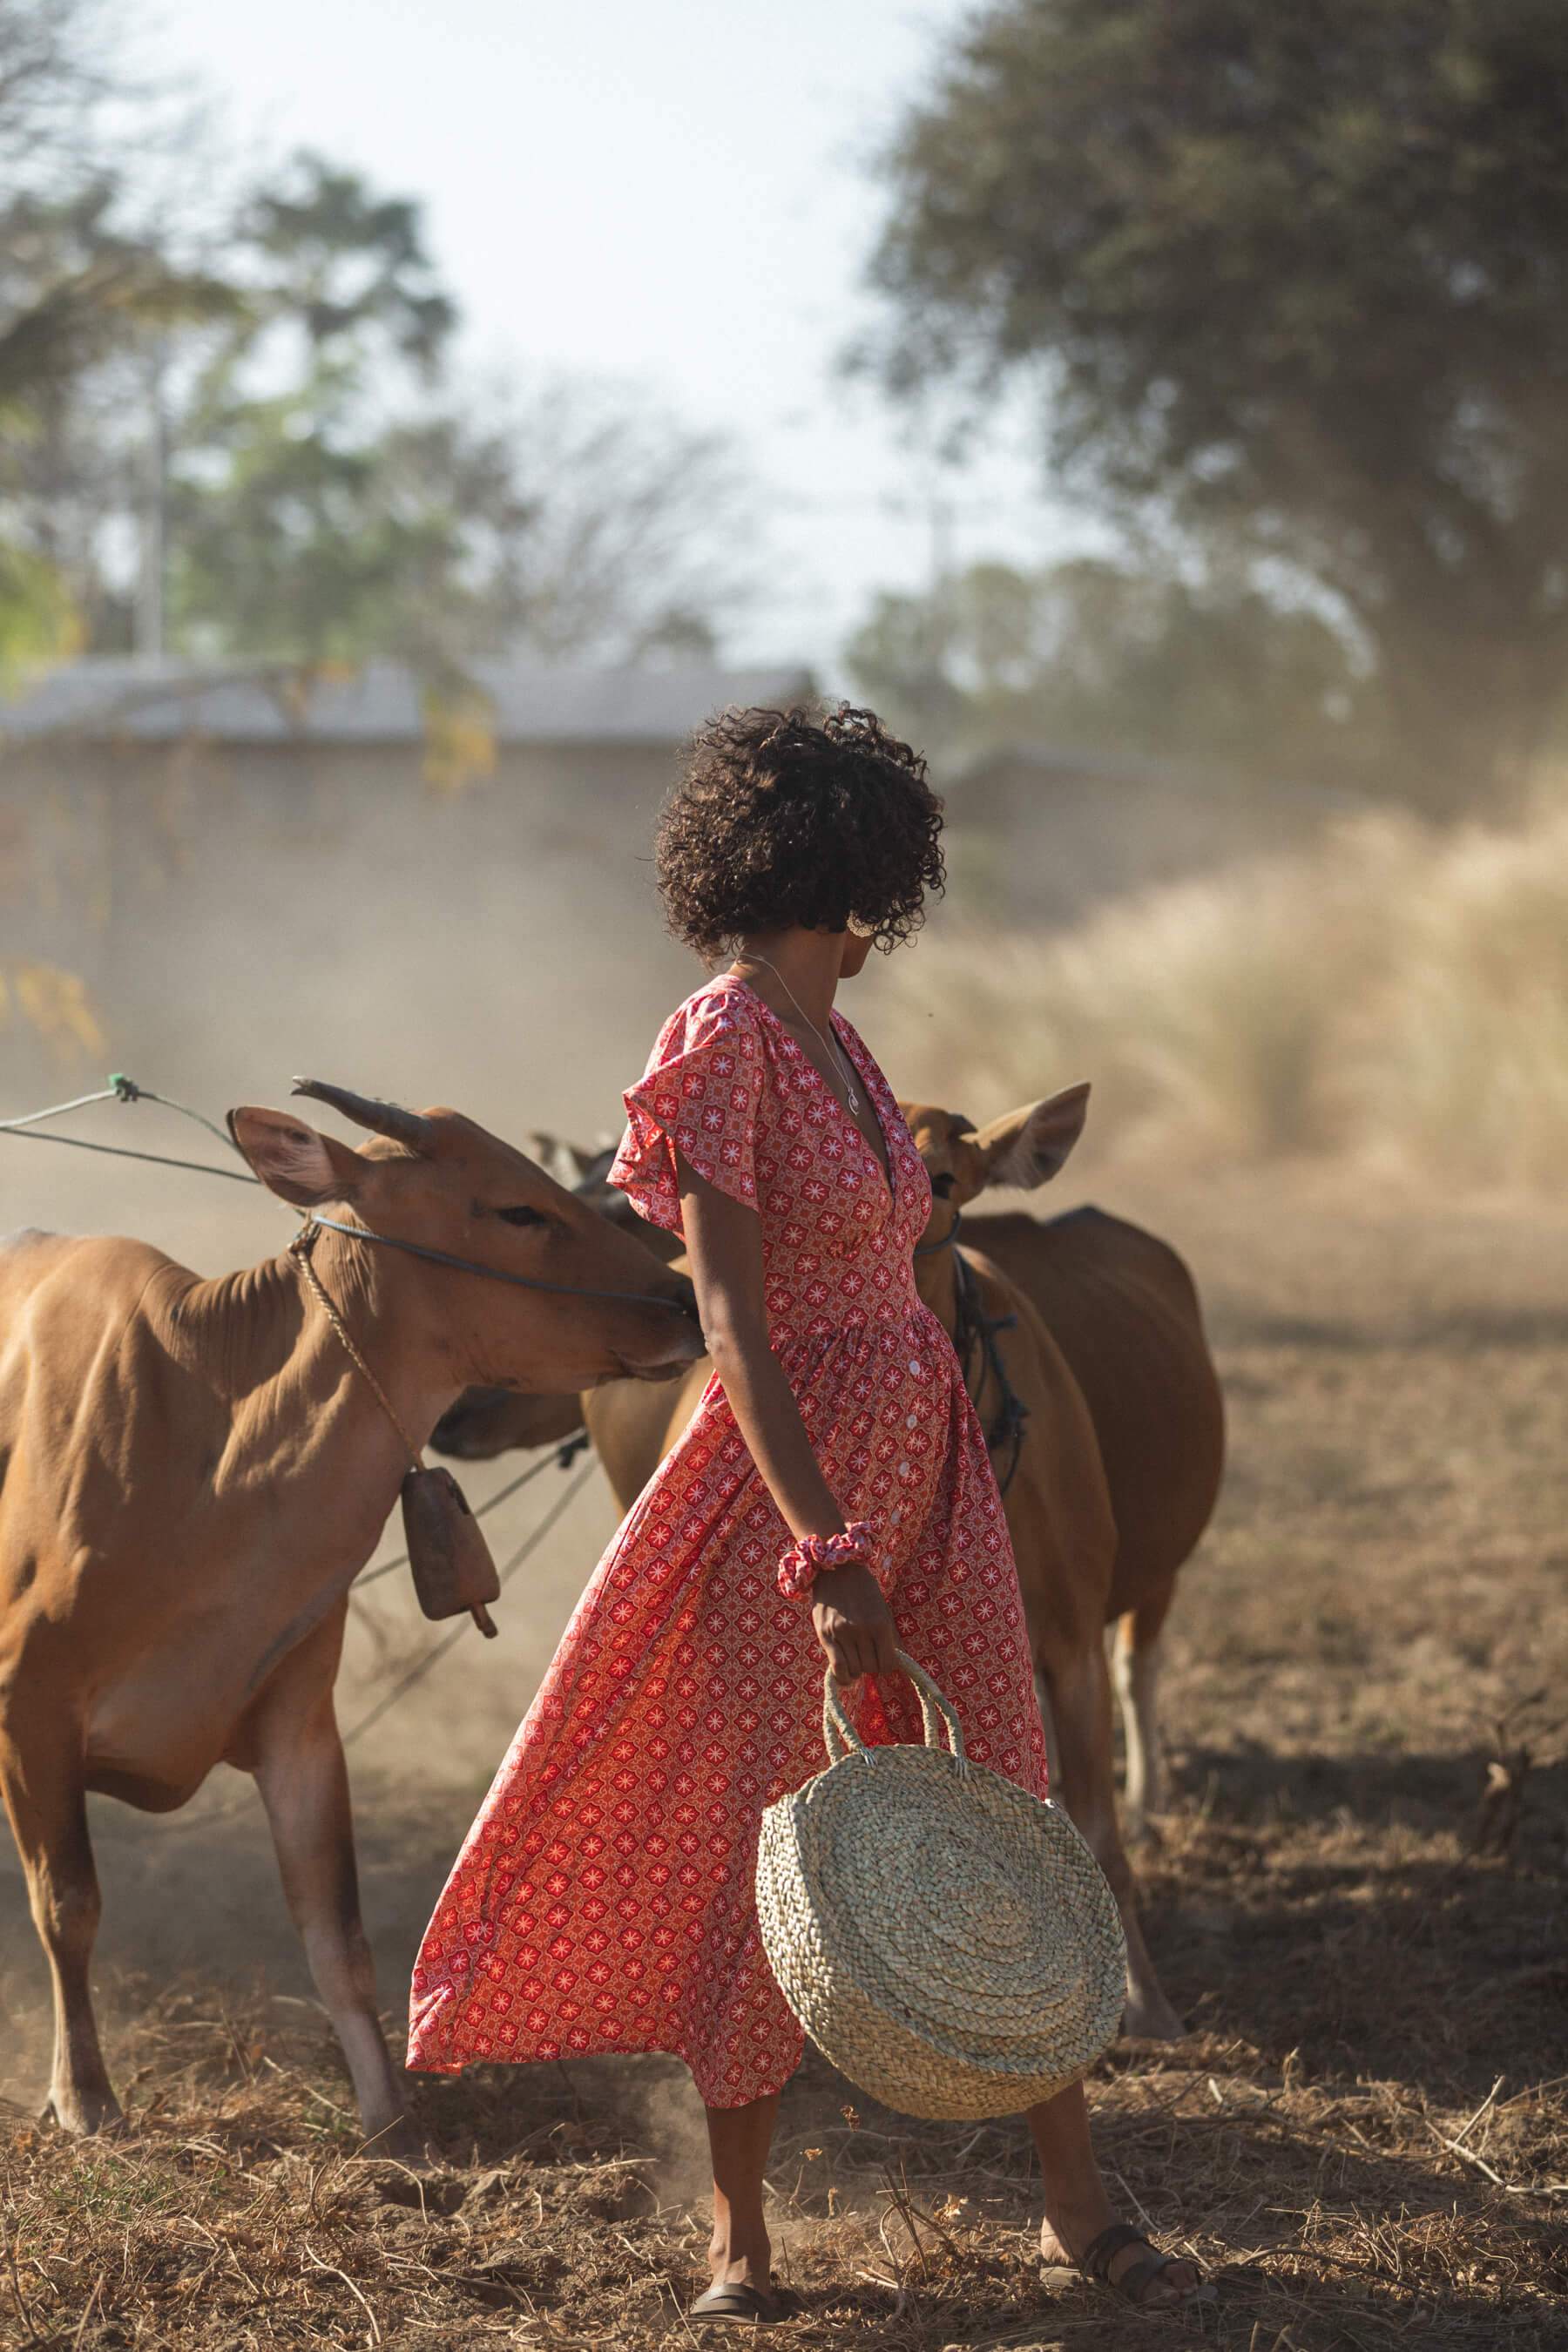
{"x": 126, "y": 1090}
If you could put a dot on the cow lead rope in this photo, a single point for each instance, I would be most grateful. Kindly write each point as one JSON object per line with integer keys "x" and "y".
{"x": 122, "y": 1089}
{"x": 972, "y": 1324}
{"x": 299, "y": 1250}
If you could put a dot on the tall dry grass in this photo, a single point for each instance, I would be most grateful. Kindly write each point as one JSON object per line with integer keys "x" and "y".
{"x": 1396, "y": 997}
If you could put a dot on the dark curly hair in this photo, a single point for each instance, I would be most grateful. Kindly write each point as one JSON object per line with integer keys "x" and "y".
{"x": 798, "y": 816}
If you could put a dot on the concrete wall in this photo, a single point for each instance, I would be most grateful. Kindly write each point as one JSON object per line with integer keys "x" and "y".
{"x": 243, "y": 914}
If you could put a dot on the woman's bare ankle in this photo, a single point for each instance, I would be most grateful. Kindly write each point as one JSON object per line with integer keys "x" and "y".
{"x": 741, "y": 2257}
{"x": 1072, "y": 2225}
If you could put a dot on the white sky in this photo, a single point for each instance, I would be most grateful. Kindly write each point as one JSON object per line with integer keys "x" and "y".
{"x": 669, "y": 194}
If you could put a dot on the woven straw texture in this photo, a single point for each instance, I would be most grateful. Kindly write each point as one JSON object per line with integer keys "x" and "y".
{"x": 948, "y": 1941}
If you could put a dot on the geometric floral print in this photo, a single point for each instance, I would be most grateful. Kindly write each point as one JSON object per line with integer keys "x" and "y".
{"x": 603, "y": 1899}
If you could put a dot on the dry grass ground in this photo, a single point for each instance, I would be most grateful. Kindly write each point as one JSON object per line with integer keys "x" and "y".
{"x": 1366, "y": 2135}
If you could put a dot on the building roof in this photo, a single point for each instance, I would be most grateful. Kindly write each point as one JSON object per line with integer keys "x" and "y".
{"x": 382, "y": 703}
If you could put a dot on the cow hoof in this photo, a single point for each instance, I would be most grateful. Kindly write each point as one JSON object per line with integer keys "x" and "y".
{"x": 1149, "y": 2017}
{"x": 83, "y": 2113}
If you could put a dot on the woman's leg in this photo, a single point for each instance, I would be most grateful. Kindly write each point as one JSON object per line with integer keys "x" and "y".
{"x": 740, "y": 2138}
{"x": 1077, "y": 2207}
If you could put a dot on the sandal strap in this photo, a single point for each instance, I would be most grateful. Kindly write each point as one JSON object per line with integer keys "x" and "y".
{"x": 735, "y": 2301}
{"x": 1098, "y": 2256}
{"x": 1135, "y": 2281}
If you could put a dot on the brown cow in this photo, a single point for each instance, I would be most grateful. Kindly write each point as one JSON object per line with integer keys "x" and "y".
{"x": 193, "y": 1473}
{"x": 1122, "y": 1307}
{"x": 1095, "y": 1329}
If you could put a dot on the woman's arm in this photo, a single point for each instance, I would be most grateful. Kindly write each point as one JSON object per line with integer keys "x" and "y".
{"x": 725, "y": 1242}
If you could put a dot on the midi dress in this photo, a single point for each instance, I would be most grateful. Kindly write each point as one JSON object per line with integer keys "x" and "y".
{"x": 603, "y": 1900}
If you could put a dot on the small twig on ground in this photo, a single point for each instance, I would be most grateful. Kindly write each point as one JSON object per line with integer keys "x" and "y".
{"x": 332, "y": 2270}
{"x": 1466, "y": 2129}
{"x": 86, "y": 2314}
{"x": 1142, "y": 2211}
{"x": 17, "y": 2295}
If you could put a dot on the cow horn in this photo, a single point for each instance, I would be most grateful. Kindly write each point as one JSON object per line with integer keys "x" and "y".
{"x": 387, "y": 1118}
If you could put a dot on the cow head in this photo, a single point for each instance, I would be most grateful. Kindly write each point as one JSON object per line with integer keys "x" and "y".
{"x": 588, "y": 1175}
{"x": 486, "y": 1421}
{"x": 1023, "y": 1148}
{"x": 435, "y": 1179}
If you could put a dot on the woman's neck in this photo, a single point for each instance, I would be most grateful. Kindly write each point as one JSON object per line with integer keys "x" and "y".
{"x": 795, "y": 971}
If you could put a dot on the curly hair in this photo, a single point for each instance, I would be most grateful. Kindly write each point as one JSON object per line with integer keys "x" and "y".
{"x": 796, "y": 816}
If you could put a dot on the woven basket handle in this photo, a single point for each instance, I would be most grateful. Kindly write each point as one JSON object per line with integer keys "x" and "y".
{"x": 936, "y": 1712}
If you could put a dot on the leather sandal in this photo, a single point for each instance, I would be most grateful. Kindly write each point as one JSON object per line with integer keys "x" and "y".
{"x": 737, "y": 2301}
{"x": 1134, "y": 2280}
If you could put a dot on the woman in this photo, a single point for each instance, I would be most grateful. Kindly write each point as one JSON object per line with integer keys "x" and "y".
{"x": 833, "y": 1495}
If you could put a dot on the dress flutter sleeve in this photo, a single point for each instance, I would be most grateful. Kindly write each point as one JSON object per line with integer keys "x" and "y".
{"x": 698, "y": 1098}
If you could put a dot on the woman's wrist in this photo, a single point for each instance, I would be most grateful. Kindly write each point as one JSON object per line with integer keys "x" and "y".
{"x": 845, "y": 1587}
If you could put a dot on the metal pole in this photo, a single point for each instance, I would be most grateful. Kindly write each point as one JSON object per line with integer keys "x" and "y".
{"x": 149, "y": 621}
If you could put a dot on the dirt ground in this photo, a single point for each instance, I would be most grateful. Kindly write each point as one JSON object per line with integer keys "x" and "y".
{"x": 1365, "y": 2135}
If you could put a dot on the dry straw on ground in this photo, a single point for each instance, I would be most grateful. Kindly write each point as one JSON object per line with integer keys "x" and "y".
{"x": 1340, "y": 2208}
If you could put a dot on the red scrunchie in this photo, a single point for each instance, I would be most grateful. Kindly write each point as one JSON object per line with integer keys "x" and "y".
{"x": 804, "y": 1562}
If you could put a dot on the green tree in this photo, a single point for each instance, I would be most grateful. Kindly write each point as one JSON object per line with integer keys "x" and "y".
{"x": 84, "y": 283}
{"x": 1292, "y": 280}
{"x": 243, "y": 444}
{"x": 326, "y": 503}
{"x": 1098, "y": 655}
{"x": 318, "y": 508}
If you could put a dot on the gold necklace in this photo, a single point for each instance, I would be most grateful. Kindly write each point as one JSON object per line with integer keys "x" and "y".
{"x": 830, "y": 1045}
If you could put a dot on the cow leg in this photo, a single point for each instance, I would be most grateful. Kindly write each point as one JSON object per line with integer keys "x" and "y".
{"x": 1080, "y": 1699}
{"x": 47, "y": 1807}
{"x": 1135, "y": 1663}
{"x": 1048, "y": 1726}
{"x": 303, "y": 1779}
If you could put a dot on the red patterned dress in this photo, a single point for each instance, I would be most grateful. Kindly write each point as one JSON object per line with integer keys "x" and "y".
{"x": 603, "y": 1899}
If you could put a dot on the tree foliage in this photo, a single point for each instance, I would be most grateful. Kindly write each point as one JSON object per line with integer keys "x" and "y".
{"x": 643, "y": 533}
{"x": 265, "y": 424}
{"x": 322, "y": 507}
{"x": 83, "y": 282}
{"x": 318, "y": 509}
{"x": 1293, "y": 279}
{"x": 1098, "y": 655}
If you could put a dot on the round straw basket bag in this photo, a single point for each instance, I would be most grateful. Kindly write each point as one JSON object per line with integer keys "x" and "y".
{"x": 945, "y": 1939}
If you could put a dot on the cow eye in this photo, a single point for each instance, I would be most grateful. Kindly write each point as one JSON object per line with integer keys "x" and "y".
{"x": 942, "y": 1185}
{"x": 522, "y": 1216}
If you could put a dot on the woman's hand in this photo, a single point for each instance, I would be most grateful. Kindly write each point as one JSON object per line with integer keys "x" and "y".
{"x": 853, "y": 1622}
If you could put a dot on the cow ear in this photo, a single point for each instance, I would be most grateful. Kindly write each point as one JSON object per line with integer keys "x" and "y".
{"x": 293, "y": 1159}
{"x": 1028, "y": 1147}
